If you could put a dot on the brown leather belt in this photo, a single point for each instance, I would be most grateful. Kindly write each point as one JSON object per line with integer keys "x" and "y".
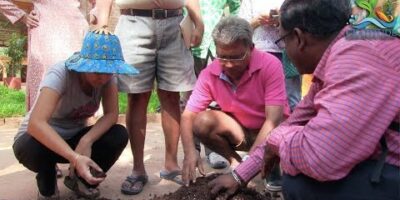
{"x": 154, "y": 13}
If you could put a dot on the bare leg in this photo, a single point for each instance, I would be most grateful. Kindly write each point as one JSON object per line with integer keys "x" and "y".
{"x": 184, "y": 98}
{"x": 170, "y": 118}
{"x": 136, "y": 124}
{"x": 219, "y": 132}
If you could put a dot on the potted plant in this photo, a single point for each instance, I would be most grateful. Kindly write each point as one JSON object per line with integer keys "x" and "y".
{"x": 16, "y": 52}
{"x": 3, "y": 60}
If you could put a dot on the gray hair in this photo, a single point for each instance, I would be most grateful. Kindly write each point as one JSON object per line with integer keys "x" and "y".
{"x": 233, "y": 29}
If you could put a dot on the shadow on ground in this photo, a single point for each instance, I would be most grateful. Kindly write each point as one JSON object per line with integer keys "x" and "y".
{"x": 16, "y": 182}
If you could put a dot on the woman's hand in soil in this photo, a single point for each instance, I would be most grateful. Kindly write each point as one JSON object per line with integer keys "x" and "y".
{"x": 191, "y": 161}
{"x": 225, "y": 183}
{"x": 82, "y": 164}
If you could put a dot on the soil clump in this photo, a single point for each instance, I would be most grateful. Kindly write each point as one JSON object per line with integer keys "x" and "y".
{"x": 201, "y": 191}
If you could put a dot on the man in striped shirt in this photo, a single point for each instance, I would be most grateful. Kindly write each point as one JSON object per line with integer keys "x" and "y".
{"x": 343, "y": 140}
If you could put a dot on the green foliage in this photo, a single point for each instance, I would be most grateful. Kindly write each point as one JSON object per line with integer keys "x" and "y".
{"x": 389, "y": 7}
{"x": 151, "y": 108}
{"x": 6, "y": 24}
{"x": 3, "y": 51}
{"x": 154, "y": 103}
{"x": 12, "y": 102}
{"x": 15, "y": 51}
{"x": 122, "y": 102}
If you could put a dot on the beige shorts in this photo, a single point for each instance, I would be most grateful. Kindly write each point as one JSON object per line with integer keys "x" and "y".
{"x": 157, "y": 50}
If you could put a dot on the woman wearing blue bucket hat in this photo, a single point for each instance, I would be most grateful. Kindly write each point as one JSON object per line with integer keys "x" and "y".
{"x": 56, "y": 129}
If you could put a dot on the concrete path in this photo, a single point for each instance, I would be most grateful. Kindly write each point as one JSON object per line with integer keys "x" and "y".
{"x": 16, "y": 182}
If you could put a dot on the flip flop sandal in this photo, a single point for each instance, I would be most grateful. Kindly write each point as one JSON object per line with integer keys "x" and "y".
{"x": 134, "y": 184}
{"x": 172, "y": 176}
{"x": 80, "y": 189}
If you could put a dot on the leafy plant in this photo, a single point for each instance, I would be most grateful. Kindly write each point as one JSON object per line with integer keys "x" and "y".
{"x": 15, "y": 51}
{"x": 389, "y": 7}
{"x": 5, "y": 24}
{"x": 151, "y": 108}
{"x": 12, "y": 102}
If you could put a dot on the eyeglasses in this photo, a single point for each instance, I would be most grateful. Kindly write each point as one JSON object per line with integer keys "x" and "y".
{"x": 225, "y": 60}
{"x": 279, "y": 42}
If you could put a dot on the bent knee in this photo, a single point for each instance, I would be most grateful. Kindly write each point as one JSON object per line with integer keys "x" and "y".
{"x": 116, "y": 137}
{"x": 203, "y": 124}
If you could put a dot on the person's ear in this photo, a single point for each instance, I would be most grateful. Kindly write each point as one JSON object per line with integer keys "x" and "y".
{"x": 300, "y": 38}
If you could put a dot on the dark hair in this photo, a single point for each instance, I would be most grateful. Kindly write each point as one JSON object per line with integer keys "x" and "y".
{"x": 321, "y": 18}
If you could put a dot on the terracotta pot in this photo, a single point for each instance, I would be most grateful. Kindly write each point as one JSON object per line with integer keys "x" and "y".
{"x": 13, "y": 82}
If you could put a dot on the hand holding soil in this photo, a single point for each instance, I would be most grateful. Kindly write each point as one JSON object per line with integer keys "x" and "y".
{"x": 97, "y": 174}
{"x": 201, "y": 191}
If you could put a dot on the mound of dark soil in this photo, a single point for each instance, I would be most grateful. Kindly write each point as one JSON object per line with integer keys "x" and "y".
{"x": 81, "y": 198}
{"x": 201, "y": 191}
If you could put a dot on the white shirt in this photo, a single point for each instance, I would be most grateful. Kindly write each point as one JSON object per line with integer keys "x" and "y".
{"x": 264, "y": 36}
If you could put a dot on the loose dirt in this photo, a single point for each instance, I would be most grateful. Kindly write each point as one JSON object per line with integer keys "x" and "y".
{"x": 201, "y": 191}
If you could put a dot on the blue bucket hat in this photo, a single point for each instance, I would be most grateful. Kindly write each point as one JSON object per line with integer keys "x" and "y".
{"x": 101, "y": 53}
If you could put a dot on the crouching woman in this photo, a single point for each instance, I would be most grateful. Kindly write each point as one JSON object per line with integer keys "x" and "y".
{"x": 56, "y": 129}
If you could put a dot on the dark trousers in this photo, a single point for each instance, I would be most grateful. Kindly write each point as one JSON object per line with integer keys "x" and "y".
{"x": 356, "y": 186}
{"x": 38, "y": 158}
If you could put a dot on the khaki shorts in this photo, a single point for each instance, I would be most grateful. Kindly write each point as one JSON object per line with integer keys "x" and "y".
{"x": 157, "y": 50}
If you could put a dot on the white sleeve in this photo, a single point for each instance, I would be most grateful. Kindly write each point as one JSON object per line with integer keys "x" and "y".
{"x": 246, "y": 11}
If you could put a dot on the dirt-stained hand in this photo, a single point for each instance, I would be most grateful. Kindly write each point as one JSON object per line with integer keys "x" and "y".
{"x": 224, "y": 183}
{"x": 190, "y": 162}
{"x": 82, "y": 166}
{"x": 270, "y": 159}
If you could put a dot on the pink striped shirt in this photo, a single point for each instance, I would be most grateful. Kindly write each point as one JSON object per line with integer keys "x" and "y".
{"x": 11, "y": 11}
{"x": 353, "y": 99}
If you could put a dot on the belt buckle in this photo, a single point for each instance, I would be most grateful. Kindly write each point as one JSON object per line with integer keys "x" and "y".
{"x": 159, "y": 13}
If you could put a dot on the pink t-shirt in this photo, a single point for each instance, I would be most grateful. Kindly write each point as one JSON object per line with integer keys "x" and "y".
{"x": 263, "y": 84}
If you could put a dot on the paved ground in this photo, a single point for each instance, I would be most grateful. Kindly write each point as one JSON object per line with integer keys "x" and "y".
{"x": 16, "y": 182}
